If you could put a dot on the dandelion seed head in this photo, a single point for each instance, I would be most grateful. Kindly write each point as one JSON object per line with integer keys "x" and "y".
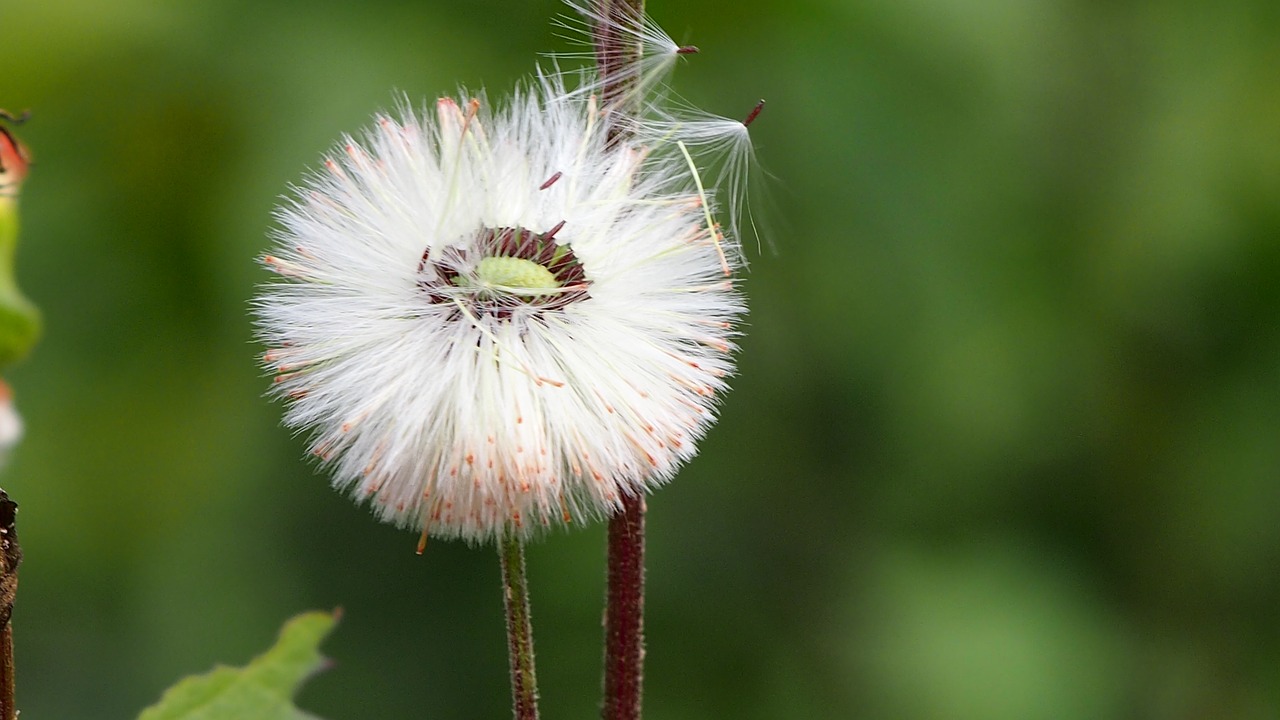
{"x": 493, "y": 320}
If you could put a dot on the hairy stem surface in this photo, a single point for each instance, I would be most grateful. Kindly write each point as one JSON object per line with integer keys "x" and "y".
{"x": 624, "y": 615}
{"x": 524, "y": 680}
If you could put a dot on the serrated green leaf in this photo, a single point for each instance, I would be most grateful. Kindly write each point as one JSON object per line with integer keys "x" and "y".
{"x": 262, "y": 690}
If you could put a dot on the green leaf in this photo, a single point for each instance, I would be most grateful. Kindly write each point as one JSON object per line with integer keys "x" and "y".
{"x": 262, "y": 690}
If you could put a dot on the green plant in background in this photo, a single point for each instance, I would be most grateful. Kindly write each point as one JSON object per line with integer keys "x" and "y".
{"x": 1000, "y": 448}
{"x": 19, "y": 329}
{"x": 19, "y": 318}
{"x": 262, "y": 690}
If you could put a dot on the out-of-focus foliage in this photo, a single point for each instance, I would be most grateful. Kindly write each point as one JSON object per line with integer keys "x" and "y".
{"x": 1005, "y": 442}
{"x": 262, "y": 690}
{"x": 19, "y": 319}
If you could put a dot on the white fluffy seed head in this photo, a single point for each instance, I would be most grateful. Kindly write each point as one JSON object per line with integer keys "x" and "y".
{"x": 450, "y": 400}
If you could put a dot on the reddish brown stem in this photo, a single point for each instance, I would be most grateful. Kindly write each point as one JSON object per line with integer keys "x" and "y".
{"x": 617, "y": 53}
{"x": 624, "y": 614}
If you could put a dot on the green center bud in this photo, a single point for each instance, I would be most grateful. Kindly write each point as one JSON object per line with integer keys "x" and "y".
{"x": 505, "y": 269}
{"x": 514, "y": 275}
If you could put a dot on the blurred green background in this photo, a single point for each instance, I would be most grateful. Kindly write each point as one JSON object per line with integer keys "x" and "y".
{"x": 1005, "y": 442}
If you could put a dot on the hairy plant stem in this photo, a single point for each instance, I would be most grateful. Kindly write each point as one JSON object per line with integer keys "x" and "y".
{"x": 8, "y": 710}
{"x": 616, "y": 51}
{"x": 624, "y": 613}
{"x": 524, "y": 680}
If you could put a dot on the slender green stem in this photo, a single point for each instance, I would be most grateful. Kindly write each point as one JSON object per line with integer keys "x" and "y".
{"x": 524, "y": 679}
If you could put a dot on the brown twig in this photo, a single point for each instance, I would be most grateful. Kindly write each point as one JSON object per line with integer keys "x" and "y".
{"x": 10, "y": 558}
